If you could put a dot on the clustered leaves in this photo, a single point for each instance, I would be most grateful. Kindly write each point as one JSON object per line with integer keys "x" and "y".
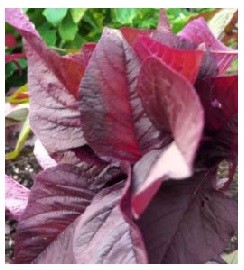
{"x": 135, "y": 126}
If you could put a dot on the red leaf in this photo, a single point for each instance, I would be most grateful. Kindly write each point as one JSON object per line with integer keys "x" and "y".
{"x": 114, "y": 122}
{"x": 131, "y": 34}
{"x": 186, "y": 62}
{"x": 10, "y": 41}
{"x": 180, "y": 115}
{"x": 188, "y": 221}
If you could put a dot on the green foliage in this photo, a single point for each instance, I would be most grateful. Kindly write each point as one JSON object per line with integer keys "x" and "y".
{"x": 55, "y": 15}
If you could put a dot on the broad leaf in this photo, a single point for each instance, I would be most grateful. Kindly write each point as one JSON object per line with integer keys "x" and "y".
{"x": 188, "y": 221}
{"x": 113, "y": 119}
{"x": 53, "y": 84}
{"x": 180, "y": 117}
{"x": 16, "y": 197}
{"x": 59, "y": 196}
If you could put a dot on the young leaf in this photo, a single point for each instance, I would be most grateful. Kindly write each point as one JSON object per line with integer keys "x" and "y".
{"x": 186, "y": 62}
{"x": 189, "y": 221}
{"x": 16, "y": 197}
{"x": 198, "y": 32}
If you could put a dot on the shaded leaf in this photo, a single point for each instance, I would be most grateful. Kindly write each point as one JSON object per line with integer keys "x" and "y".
{"x": 188, "y": 221}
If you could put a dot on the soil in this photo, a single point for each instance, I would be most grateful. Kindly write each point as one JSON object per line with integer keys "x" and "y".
{"x": 24, "y": 169}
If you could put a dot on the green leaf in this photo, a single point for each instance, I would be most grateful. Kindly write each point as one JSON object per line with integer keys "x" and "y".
{"x": 77, "y": 13}
{"x": 67, "y": 29}
{"x": 23, "y": 135}
{"x": 25, "y": 9}
{"x": 20, "y": 96}
{"x": 48, "y": 34}
{"x": 55, "y": 15}
{"x": 231, "y": 258}
{"x": 125, "y": 15}
{"x": 220, "y": 20}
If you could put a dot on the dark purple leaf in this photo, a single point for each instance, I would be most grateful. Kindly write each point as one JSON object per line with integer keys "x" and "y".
{"x": 16, "y": 197}
{"x": 105, "y": 234}
{"x": 180, "y": 116}
{"x": 59, "y": 196}
{"x": 186, "y": 62}
{"x": 188, "y": 221}
{"x": 114, "y": 122}
{"x": 219, "y": 97}
{"x": 53, "y": 83}
{"x": 198, "y": 32}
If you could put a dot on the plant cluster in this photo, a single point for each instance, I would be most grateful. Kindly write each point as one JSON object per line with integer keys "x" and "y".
{"x": 134, "y": 127}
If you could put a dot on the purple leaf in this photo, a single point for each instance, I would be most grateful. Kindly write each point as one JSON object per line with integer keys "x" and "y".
{"x": 186, "y": 62}
{"x": 188, "y": 221}
{"x": 219, "y": 97}
{"x": 53, "y": 83}
{"x": 16, "y": 197}
{"x": 180, "y": 117}
{"x": 114, "y": 122}
{"x": 59, "y": 196}
{"x": 105, "y": 235}
{"x": 163, "y": 22}
{"x": 198, "y": 32}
